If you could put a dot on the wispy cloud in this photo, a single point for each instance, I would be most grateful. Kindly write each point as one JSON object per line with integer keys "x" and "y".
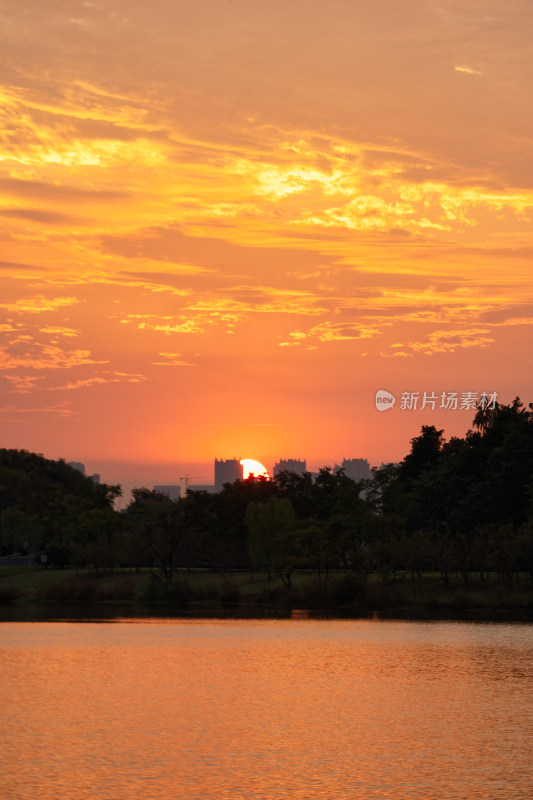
{"x": 15, "y": 267}
{"x": 58, "y": 330}
{"x": 58, "y": 191}
{"x": 12, "y": 413}
{"x": 335, "y": 332}
{"x": 102, "y": 378}
{"x": 24, "y": 353}
{"x": 468, "y": 70}
{"x": 38, "y": 304}
{"x": 39, "y": 215}
{"x": 171, "y": 360}
{"x": 187, "y": 326}
{"x": 442, "y": 342}
{"x": 24, "y": 383}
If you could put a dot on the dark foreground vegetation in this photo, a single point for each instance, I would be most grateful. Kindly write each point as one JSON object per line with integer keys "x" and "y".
{"x": 450, "y": 527}
{"x": 72, "y": 592}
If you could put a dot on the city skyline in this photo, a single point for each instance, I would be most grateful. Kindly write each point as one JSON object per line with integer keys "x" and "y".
{"x": 175, "y": 478}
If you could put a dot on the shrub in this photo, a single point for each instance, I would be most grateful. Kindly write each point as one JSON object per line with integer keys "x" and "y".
{"x": 74, "y": 590}
{"x": 274, "y": 596}
{"x": 124, "y": 590}
{"x": 230, "y": 594}
{"x": 7, "y": 596}
{"x": 177, "y": 593}
{"x": 348, "y": 589}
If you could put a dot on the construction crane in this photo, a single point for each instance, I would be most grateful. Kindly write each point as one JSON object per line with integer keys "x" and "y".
{"x": 188, "y": 478}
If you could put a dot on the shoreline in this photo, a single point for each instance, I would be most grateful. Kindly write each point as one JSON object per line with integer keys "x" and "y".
{"x": 37, "y": 593}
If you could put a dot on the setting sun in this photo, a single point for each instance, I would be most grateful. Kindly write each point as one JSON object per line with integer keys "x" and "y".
{"x": 251, "y": 467}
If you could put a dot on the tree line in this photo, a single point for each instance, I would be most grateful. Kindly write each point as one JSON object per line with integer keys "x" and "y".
{"x": 455, "y": 506}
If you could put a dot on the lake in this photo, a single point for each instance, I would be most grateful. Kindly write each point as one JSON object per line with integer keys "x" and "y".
{"x": 157, "y": 709}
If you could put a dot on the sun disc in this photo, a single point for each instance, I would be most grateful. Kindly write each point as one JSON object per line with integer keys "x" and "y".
{"x": 252, "y": 467}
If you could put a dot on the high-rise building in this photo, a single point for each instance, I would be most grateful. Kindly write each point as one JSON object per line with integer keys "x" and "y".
{"x": 77, "y": 465}
{"x": 81, "y": 468}
{"x": 227, "y": 471}
{"x": 358, "y": 469}
{"x": 290, "y": 465}
{"x": 173, "y": 491}
{"x": 201, "y": 487}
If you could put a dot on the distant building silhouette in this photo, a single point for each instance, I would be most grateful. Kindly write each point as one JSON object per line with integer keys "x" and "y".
{"x": 81, "y": 468}
{"x": 227, "y": 471}
{"x": 202, "y": 487}
{"x": 173, "y": 491}
{"x": 77, "y": 465}
{"x": 230, "y": 470}
{"x": 358, "y": 469}
{"x": 290, "y": 465}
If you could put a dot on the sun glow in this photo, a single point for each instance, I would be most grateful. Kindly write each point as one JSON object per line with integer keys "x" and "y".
{"x": 255, "y": 468}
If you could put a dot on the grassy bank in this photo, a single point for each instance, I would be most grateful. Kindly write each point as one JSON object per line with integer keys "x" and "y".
{"x": 206, "y": 590}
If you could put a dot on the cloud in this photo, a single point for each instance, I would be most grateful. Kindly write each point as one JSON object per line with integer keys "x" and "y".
{"x": 14, "y": 266}
{"x": 131, "y": 317}
{"x": 205, "y": 313}
{"x": 259, "y": 300}
{"x": 16, "y": 413}
{"x": 517, "y": 321}
{"x": 468, "y": 70}
{"x": 102, "y": 378}
{"x": 24, "y": 353}
{"x": 24, "y": 383}
{"x": 39, "y": 215}
{"x": 279, "y": 181}
{"x": 143, "y": 281}
{"x": 47, "y": 191}
{"x": 187, "y": 326}
{"x": 69, "y": 333}
{"x": 343, "y": 331}
{"x": 517, "y": 314}
{"x": 43, "y": 130}
{"x": 335, "y": 332}
{"x": 169, "y": 280}
{"x": 38, "y": 304}
{"x": 442, "y": 342}
{"x": 417, "y": 208}
{"x": 296, "y": 339}
{"x": 170, "y": 244}
{"x": 171, "y": 360}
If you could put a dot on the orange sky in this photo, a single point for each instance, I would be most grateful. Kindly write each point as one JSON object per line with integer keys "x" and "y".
{"x": 225, "y": 224}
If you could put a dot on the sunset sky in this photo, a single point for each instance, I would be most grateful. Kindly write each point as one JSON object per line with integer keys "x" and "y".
{"x": 225, "y": 224}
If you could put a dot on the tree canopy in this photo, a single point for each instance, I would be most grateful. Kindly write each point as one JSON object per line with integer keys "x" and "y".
{"x": 463, "y": 504}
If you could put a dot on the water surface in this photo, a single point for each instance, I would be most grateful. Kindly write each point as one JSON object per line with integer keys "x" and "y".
{"x": 266, "y": 709}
